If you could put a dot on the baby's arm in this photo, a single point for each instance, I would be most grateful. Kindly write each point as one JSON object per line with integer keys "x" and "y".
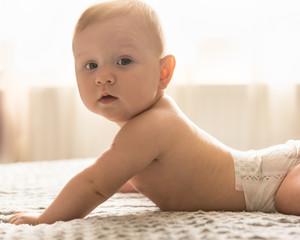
{"x": 131, "y": 152}
{"x": 78, "y": 198}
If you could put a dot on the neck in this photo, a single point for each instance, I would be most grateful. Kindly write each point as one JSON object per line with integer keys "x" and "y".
{"x": 123, "y": 123}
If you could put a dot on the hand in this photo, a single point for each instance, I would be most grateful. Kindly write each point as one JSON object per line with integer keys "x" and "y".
{"x": 23, "y": 218}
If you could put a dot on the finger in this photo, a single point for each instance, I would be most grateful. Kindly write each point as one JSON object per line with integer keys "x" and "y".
{"x": 15, "y": 215}
{"x": 13, "y": 219}
{"x": 18, "y": 222}
{"x": 18, "y": 212}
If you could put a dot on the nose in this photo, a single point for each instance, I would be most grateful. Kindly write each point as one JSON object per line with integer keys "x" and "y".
{"x": 104, "y": 77}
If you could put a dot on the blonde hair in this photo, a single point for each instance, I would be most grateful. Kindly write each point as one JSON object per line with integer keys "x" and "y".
{"x": 107, "y": 10}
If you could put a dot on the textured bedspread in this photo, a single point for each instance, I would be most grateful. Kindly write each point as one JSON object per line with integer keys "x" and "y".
{"x": 32, "y": 186}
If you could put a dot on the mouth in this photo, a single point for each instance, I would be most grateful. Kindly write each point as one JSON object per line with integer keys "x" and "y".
{"x": 107, "y": 99}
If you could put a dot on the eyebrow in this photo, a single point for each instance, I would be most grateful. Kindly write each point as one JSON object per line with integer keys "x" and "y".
{"x": 79, "y": 54}
{"x": 127, "y": 45}
{"x": 122, "y": 45}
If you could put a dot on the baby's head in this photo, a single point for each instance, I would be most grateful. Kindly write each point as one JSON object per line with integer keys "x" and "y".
{"x": 119, "y": 64}
{"x": 113, "y": 9}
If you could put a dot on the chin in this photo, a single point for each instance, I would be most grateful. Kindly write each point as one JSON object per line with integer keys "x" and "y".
{"x": 120, "y": 120}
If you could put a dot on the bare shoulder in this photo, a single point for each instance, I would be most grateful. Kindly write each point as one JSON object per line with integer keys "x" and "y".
{"x": 151, "y": 126}
{"x": 151, "y": 134}
{"x": 147, "y": 136}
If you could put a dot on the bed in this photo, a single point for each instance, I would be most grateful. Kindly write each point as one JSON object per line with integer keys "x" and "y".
{"x": 32, "y": 186}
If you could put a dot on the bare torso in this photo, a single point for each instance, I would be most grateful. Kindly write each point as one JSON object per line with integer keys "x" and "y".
{"x": 194, "y": 171}
{"x": 166, "y": 157}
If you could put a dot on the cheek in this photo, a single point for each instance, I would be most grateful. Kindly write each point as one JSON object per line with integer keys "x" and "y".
{"x": 84, "y": 91}
{"x": 148, "y": 79}
{"x": 81, "y": 87}
{"x": 151, "y": 83}
{"x": 142, "y": 91}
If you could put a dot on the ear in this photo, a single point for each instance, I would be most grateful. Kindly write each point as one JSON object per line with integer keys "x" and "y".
{"x": 166, "y": 70}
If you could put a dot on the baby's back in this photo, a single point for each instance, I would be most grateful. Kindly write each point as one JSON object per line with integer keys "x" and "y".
{"x": 193, "y": 171}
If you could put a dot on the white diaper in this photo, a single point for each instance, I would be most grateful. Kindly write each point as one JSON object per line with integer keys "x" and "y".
{"x": 260, "y": 173}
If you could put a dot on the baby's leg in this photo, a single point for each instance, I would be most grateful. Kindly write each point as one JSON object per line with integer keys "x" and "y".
{"x": 287, "y": 199}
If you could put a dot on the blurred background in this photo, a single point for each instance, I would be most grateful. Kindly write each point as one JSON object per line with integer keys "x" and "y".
{"x": 237, "y": 75}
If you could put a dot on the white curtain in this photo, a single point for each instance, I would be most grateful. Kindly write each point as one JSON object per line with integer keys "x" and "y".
{"x": 237, "y": 74}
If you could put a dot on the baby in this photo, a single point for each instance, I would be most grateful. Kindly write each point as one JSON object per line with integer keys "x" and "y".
{"x": 122, "y": 73}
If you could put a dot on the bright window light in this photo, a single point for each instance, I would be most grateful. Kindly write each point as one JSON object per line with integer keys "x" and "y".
{"x": 214, "y": 41}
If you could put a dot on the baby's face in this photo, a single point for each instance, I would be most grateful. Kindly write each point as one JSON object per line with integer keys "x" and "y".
{"x": 117, "y": 66}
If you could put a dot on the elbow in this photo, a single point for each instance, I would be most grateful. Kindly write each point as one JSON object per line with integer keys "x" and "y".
{"x": 97, "y": 186}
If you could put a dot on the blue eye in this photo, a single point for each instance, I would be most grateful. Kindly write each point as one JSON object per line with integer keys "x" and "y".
{"x": 91, "y": 66}
{"x": 124, "y": 61}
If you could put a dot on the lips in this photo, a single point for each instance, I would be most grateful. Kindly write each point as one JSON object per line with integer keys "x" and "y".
{"x": 107, "y": 99}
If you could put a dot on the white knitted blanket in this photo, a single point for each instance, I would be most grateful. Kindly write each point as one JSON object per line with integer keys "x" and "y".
{"x": 32, "y": 186}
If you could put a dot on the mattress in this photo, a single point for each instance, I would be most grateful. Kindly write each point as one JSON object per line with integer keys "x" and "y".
{"x": 32, "y": 186}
